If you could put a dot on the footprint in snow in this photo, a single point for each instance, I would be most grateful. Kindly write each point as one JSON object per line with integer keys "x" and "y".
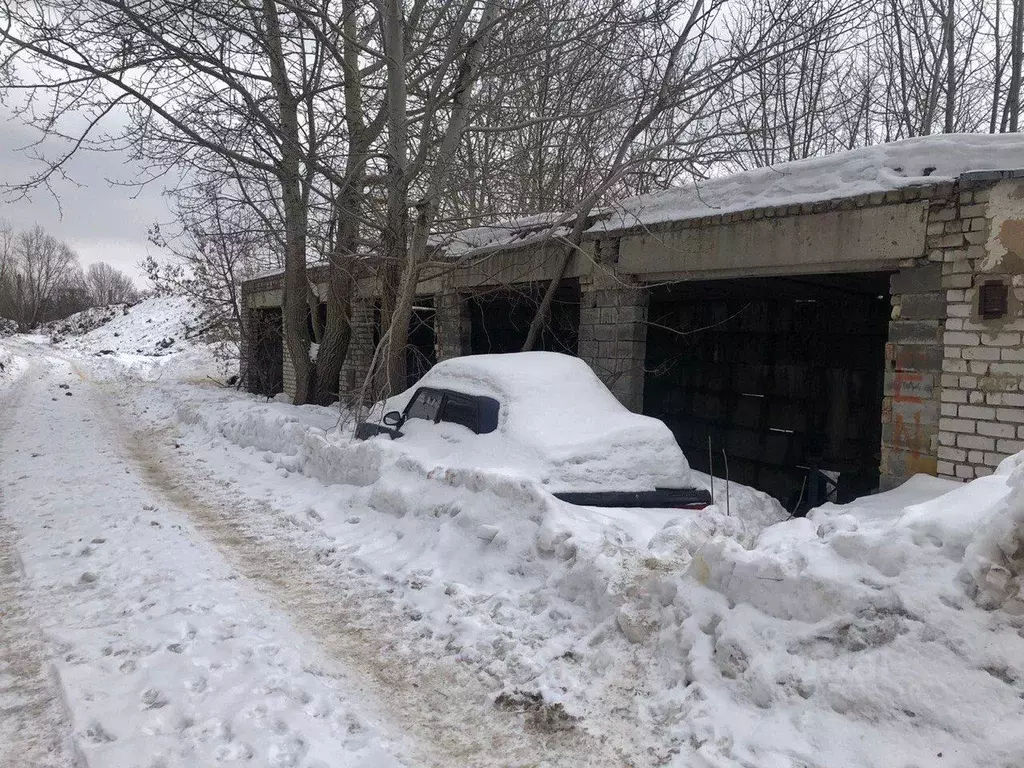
{"x": 97, "y": 734}
{"x": 154, "y": 699}
{"x": 196, "y": 684}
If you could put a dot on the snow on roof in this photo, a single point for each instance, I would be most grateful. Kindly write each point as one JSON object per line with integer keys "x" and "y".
{"x": 275, "y": 271}
{"x": 879, "y": 168}
{"x": 508, "y": 233}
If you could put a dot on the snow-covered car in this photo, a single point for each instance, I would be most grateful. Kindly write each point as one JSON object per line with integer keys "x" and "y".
{"x": 545, "y": 416}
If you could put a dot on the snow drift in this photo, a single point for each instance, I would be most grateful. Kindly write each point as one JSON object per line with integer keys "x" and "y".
{"x": 11, "y": 366}
{"x": 82, "y": 322}
{"x": 160, "y": 336}
{"x": 154, "y": 327}
{"x": 884, "y": 632}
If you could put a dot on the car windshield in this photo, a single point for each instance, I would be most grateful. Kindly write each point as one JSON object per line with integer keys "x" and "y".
{"x": 424, "y": 405}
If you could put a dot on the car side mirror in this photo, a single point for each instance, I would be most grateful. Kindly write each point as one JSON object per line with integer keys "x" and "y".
{"x": 392, "y": 418}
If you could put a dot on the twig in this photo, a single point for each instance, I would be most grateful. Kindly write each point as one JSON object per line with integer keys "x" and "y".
{"x": 711, "y": 470}
{"x": 725, "y": 458}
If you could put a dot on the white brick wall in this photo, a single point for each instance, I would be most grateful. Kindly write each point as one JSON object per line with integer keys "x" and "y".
{"x": 982, "y": 400}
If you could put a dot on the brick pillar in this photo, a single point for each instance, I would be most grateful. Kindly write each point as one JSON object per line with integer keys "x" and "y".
{"x": 289, "y": 374}
{"x": 613, "y": 336}
{"x": 913, "y": 366}
{"x": 360, "y": 352}
{"x": 245, "y": 340}
{"x": 451, "y": 325}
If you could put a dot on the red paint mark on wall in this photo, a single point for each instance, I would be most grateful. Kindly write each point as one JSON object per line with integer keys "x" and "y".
{"x": 903, "y": 438}
{"x": 903, "y": 387}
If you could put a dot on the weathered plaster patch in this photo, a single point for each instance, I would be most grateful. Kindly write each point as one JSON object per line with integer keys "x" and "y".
{"x": 1005, "y": 247}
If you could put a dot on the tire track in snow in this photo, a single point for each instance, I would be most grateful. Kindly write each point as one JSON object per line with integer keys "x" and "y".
{"x": 446, "y": 710}
{"x": 34, "y": 732}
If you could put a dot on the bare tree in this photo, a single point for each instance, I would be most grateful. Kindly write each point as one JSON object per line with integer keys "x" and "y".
{"x": 38, "y": 269}
{"x": 223, "y": 90}
{"x": 109, "y": 285}
{"x": 220, "y": 244}
{"x": 681, "y": 70}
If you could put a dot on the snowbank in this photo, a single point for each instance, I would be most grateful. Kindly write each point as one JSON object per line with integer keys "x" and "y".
{"x": 82, "y": 322}
{"x": 993, "y": 563}
{"x": 494, "y": 570}
{"x": 880, "y": 168}
{"x": 158, "y": 337}
{"x": 557, "y": 423}
{"x": 884, "y": 632}
{"x": 11, "y": 366}
{"x": 848, "y": 638}
{"x": 152, "y": 327}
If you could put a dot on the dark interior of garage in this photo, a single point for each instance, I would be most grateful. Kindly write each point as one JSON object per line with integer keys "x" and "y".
{"x": 781, "y": 378}
{"x": 265, "y": 374}
{"x": 500, "y": 319}
{"x": 421, "y": 353}
{"x": 421, "y": 346}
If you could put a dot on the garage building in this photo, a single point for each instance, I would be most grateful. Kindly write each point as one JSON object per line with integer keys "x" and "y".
{"x": 859, "y": 314}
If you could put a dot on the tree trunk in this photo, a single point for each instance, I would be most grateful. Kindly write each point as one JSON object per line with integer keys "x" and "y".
{"x": 390, "y": 369}
{"x": 389, "y": 375}
{"x": 296, "y": 286}
{"x": 337, "y": 331}
{"x": 540, "y": 317}
{"x": 950, "y": 125}
{"x": 1016, "y": 59}
{"x": 997, "y": 79}
{"x": 426, "y": 209}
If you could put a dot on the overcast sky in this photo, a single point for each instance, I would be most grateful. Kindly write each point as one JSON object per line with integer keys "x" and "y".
{"x": 101, "y": 221}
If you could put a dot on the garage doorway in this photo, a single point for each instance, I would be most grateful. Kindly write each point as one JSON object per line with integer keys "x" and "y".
{"x": 785, "y": 374}
{"x": 421, "y": 344}
{"x": 265, "y": 374}
{"x": 500, "y": 319}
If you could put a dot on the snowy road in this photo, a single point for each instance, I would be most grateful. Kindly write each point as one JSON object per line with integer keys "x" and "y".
{"x": 33, "y": 727}
{"x": 180, "y": 637}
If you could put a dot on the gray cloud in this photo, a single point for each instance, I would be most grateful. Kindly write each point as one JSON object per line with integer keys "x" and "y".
{"x": 101, "y": 220}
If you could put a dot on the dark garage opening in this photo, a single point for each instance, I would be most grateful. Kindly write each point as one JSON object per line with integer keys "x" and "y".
{"x": 500, "y": 320}
{"x": 421, "y": 346}
{"x": 784, "y": 373}
{"x": 265, "y": 375}
{"x": 421, "y": 353}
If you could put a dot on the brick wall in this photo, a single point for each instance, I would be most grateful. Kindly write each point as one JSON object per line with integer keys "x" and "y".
{"x": 451, "y": 325}
{"x": 983, "y": 367}
{"x": 913, "y": 366}
{"x": 360, "y": 353}
{"x": 613, "y": 336}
